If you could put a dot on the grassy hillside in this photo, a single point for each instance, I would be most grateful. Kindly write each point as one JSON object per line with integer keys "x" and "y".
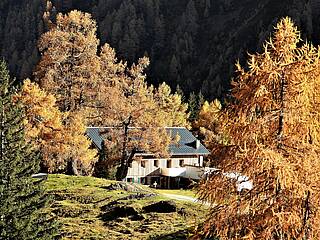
{"x": 81, "y": 204}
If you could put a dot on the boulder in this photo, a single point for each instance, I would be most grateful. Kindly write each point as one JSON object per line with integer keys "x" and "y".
{"x": 122, "y": 186}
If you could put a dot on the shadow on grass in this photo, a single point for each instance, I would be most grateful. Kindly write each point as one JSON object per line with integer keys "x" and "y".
{"x": 179, "y": 235}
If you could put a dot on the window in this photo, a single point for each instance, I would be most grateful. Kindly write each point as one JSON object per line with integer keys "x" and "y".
{"x": 181, "y": 162}
{"x": 143, "y": 164}
{"x": 142, "y": 180}
{"x": 169, "y": 163}
{"x": 156, "y": 163}
{"x": 130, "y": 180}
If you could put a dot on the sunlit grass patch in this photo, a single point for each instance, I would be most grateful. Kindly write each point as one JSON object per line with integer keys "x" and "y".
{"x": 81, "y": 202}
{"x": 182, "y": 192}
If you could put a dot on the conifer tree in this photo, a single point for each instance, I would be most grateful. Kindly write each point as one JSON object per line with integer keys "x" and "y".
{"x": 174, "y": 67}
{"x": 207, "y": 122}
{"x": 273, "y": 129}
{"x": 193, "y": 108}
{"x": 170, "y": 108}
{"x": 180, "y": 92}
{"x": 195, "y": 103}
{"x": 201, "y": 101}
{"x": 21, "y": 197}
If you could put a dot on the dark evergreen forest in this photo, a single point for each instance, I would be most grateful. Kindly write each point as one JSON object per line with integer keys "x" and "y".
{"x": 191, "y": 43}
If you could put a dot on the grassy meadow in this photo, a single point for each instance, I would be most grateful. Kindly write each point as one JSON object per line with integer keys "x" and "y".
{"x": 80, "y": 202}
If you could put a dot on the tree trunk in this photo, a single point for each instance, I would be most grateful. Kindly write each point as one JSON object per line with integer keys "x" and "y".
{"x": 306, "y": 216}
{"x": 282, "y": 109}
{"x": 122, "y": 170}
{"x": 72, "y": 167}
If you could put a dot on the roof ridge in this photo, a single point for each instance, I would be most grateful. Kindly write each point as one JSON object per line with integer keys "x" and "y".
{"x": 184, "y": 146}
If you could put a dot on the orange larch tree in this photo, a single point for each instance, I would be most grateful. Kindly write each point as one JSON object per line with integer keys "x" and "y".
{"x": 69, "y": 66}
{"x": 273, "y": 126}
{"x": 92, "y": 85}
{"x": 69, "y": 69}
{"x": 208, "y": 128}
{"x": 127, "y": 102}
{"x": 58, "y": 140}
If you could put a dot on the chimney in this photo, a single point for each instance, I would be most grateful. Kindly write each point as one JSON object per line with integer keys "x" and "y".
{"x": 197, "y": 144}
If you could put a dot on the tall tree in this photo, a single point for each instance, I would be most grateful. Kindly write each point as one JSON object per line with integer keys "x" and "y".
{"x": 131, "y": 103}
{"x": 69, "y": 64}
{"x": 195, "y": 103}
{"x": 207, "y": 123}
{"x": 273, "y": 125}
{"x": 69, "y": 69}
{"x": 21, "y": 198}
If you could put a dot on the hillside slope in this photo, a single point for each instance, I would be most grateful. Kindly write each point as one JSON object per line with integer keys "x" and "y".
{"x": 88, "y": 208}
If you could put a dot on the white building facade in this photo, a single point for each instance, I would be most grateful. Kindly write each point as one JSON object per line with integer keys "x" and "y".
{"x": 186, "y": 162}
{"x": 166, "y": 172}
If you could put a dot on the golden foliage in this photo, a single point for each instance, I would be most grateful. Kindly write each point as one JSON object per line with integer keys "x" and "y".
{"x": 169, "y": 107}
{"x": 103, "y": 90}
{"x": 208, "y": 115}
{"x": 58, "y": 135}
{"x": 125, "y": 99}
{"x": 273, "y": 125}
{"x": 69, "y": 65}
{"x": 210, "y": 127}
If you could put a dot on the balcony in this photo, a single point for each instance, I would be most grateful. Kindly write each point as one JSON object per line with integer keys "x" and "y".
{"x": 192, "y": 172}
{"x": 173, "y": 172}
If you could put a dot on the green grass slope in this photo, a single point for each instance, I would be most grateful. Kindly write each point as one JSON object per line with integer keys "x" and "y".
{"x": 79, "y": 203}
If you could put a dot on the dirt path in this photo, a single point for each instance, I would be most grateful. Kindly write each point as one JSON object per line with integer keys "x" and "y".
{"x": 184, "y": 198}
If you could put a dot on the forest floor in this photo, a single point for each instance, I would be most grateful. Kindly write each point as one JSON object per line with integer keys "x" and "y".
{"x": 93, "y": 208}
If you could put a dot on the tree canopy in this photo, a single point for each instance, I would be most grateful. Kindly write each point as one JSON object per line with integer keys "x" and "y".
{"x": 69, "y": 65}
{"x": 190, "y": 43}
{"x": 84, "y": 85}
{"x": 273, "y": 130}
{"x": 59, "y": 136}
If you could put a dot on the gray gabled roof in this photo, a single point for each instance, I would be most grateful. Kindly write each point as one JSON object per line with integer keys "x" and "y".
{"x": 187, "y": 144}
{"x": 94, "y": 134}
